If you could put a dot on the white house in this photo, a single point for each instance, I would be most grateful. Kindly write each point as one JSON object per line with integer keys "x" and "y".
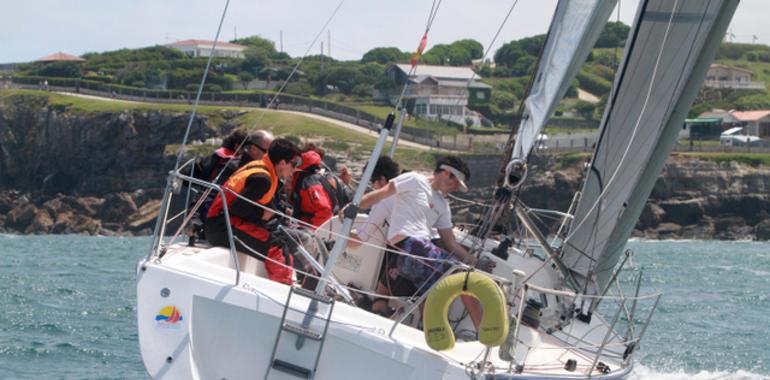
{"x": 723, "y": 76}
{"x": 440, "y": 92}
{"x": 203, "y": 48}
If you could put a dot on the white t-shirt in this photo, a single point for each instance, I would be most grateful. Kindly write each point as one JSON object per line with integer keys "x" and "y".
{"x": 417, "y": 208}
{"x": 378, "y": 220}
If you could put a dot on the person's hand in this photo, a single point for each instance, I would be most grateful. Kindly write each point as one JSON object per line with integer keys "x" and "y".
{"x": 471, "y": 260}
{"x": 345, "y": 176}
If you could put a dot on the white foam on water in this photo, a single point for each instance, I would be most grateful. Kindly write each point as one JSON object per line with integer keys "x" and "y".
{"x": 641, "y": 372}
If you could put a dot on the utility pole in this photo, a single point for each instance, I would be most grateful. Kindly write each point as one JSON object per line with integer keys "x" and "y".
{"x": 329, "y": 42}
{"x": 235, "y": 32}
{"x": 280, "y": 38}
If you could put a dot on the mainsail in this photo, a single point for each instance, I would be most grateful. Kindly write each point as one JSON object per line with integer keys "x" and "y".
{"x": 668, "y": 52}
{"x": 574, "y": 30}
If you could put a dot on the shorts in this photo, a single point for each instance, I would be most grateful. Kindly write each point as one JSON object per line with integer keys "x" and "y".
{"x": 423, "y": 273}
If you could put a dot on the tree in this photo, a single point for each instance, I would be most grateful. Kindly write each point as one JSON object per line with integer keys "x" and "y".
{"x": 385, "y": 55}
{"x": 585, "y": 109}
{"x": 753, "y": 102}
{"x": 257, "y": 43}
{"x": 504, "y": 100}
{"x": 245, "y": 78}
{"x": 460, "y": 52}
{"x": 525, "y": 65}
{"x": 613, "y": 35}
{"x": 58, "y": 69}
{"x": 509, "y": 54}
{"x": 532, "y": 45}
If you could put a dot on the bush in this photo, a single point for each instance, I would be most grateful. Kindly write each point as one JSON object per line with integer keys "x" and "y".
{"x": 593, "y": 83}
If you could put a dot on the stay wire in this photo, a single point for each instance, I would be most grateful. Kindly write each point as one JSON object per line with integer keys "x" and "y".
{"x": 262, "y": 114}
{"x": 200, "y": 90}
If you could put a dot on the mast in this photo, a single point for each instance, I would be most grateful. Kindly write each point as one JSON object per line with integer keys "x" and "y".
{"x": 667, "y": 54}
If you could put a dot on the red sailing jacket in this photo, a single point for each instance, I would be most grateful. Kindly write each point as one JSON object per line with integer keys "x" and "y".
{"x": 315, "y": 197}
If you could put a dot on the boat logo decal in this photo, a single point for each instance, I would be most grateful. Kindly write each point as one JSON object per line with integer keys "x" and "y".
{"x": 169, "y": 318}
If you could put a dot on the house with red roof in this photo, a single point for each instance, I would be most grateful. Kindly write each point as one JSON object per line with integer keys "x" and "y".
{"x": 755, "y": 123}
{"x": 203, "y": 48}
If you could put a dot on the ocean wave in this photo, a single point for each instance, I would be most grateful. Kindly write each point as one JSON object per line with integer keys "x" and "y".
{"x": 641, "y": 372}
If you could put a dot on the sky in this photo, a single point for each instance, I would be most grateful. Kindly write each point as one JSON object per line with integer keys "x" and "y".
{"x": 34, "y": 28}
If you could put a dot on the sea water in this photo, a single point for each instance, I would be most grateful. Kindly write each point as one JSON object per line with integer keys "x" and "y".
{"x": 68, "y": 308}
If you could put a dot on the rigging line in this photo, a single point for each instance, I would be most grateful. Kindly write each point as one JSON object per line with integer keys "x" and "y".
{"x": 200, "y": 89}
{"x": 432, "y": 15}
{"x": 489, "y": 47}
{"x": 413, "y": 69}
{"x": 636, "y": 126}
{"x": 280, "y": 90}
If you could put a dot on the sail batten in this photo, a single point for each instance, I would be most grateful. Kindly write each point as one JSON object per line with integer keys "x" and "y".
{"x": 574, "y": 30}
{"x": 669, "y": 49}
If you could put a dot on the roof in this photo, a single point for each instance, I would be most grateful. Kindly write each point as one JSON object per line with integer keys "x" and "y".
{"x": 441, "y": 72}
{"x": 720, "y": 66}
{"x": 455, "y": 83}
{"x": 751, "y": 115}
{"x": 58, "y": 57}
{"x": 207, "y": 43}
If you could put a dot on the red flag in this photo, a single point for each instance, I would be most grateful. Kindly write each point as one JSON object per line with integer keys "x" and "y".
{"x": 423, "y": 42}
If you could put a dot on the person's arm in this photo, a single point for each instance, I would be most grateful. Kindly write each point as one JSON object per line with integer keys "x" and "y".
{"x": 256, "y": 186}
{"x": 453, "y": 247}
{"x": 373, "y": 197}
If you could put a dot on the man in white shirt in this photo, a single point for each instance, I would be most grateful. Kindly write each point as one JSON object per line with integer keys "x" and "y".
{"x": 420, "y": 204}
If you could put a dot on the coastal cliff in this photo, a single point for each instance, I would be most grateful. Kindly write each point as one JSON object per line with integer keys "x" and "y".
{"x": 103, "y": 173}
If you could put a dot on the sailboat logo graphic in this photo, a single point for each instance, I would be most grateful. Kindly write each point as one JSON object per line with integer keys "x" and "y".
{"x": 169, "y": 317}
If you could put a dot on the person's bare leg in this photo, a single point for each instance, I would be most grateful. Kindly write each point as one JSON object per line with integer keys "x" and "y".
{"x": 474, "y": 310}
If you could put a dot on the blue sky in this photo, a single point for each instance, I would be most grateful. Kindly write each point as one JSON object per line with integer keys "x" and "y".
{"x": 34, "y": 28}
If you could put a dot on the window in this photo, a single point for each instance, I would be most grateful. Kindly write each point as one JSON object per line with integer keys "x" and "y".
{"x": 480, "y": 95}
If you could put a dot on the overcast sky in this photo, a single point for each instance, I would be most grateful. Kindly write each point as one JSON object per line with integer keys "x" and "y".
{"x": 34, "y": 28}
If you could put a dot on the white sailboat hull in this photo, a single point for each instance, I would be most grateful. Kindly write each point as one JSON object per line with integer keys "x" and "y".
{"x": 223, "y": 331}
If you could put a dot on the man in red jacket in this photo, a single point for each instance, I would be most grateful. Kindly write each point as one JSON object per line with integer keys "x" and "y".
{"x": 316, "y": 195}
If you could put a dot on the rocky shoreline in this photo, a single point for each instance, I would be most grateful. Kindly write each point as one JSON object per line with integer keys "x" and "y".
{"x": 64, "y": 172}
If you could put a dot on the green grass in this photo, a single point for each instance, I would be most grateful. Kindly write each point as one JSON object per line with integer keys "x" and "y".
{"x": 704, "y": 143}
{"x": 564, "y": 131}
{"x": 753, "y": 159}
{"x": 357, "y": 145}
{"x": 88, "y": 105}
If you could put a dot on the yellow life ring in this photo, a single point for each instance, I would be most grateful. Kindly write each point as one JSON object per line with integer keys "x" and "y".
{"x": 494, "y": 325}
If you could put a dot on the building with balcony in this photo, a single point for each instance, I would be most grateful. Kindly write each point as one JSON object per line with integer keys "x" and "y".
{"x": 203, "y": 48}
{"x": 439, "y": 92}
{"x": 729, "y": 77}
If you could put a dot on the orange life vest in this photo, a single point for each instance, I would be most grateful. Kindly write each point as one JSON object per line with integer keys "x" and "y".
{"x": 236, "y": 183}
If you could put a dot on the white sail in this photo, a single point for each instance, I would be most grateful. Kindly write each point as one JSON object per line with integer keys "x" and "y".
{"x": 668, "y": 52}
{"x": 574, "y": 30}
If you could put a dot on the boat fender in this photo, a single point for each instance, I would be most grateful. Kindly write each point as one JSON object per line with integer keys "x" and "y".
{"x": 494, "y": 324}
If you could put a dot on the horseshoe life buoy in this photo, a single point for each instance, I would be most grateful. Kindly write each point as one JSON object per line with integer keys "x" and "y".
{"x": 494, "y": 325}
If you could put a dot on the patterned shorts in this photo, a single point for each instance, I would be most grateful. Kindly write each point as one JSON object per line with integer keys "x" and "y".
{"x": 423, "y": 273}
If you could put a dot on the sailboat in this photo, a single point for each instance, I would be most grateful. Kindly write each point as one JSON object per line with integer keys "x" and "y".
{"x": 211, "y": 313}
